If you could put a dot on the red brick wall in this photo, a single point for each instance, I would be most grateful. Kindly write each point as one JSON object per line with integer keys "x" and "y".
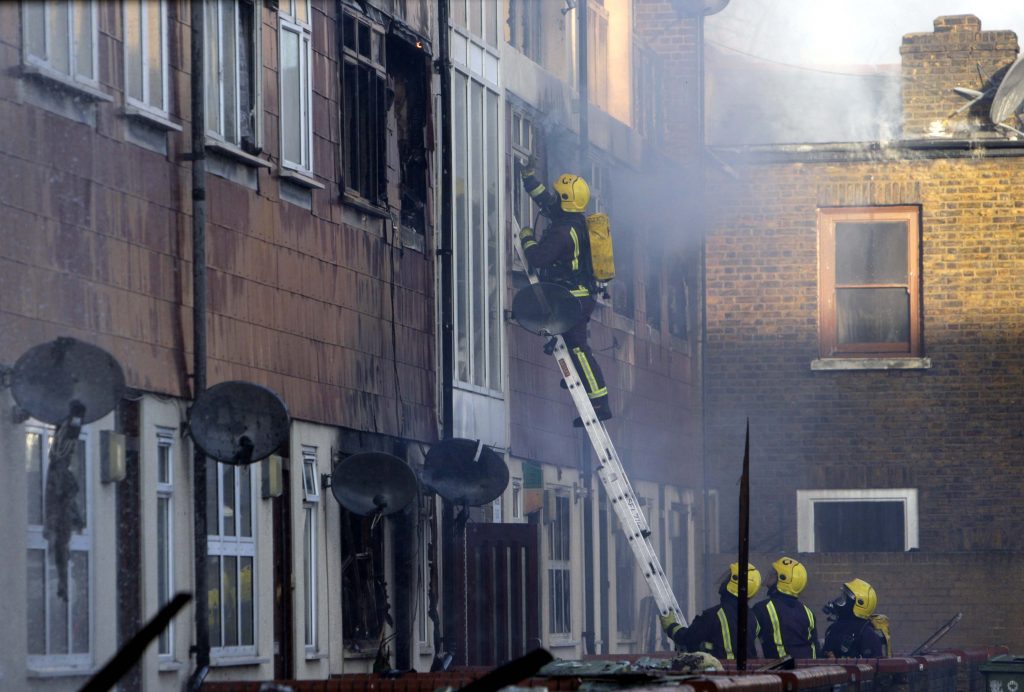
{"x": 952, "y": 431}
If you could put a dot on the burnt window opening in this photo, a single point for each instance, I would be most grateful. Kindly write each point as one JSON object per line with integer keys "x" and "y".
{"x": 364, "y": 110}
{"x": 622, "y": 288}
{"x": 363, "y": 587}
{"x": 678, "y": 301}
{"x": 524, "y": 27}
{"x": 652, "y": 287}
{"x": 410, "y": 79}
{"x": 859, "y": 527}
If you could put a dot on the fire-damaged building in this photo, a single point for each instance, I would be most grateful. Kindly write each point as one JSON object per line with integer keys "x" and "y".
{"x": 863, "y": 312}
{"x": 338, "y": 232}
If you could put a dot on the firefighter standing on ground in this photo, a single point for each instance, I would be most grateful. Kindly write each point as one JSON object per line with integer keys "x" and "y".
{"x": 714, "y": 630}
{"x": 562, "y": 257}
{"x": 786, "y": 626}
{"x": 852, "y": 635}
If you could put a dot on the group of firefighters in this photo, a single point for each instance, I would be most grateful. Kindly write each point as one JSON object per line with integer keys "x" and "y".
{"x": 781, "y": 622}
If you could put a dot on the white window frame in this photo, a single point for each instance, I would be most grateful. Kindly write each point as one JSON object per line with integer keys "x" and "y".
{"x": 80, "y": 542}
{"x": 215, "y": 67}
{"x": 237, "y": 546}
{"x": 806, "y": 499}
{"x": 311, "y": 557}
{"x": 146, "y": 7}
{"x": 44, "y": 63}
{"x": 516, "y": 499}
{"x": 294, "y": 18}
{"x": 561, "y": 565}
{"x": 165, "y": 502}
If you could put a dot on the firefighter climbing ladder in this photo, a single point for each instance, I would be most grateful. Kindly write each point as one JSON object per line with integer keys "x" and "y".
{"x": 609, "y": 470}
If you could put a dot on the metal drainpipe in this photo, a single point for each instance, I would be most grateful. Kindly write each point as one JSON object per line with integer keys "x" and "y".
{"x": 702, "y": 221}
{"x": 198, "y": 156}
{"x": 444, "y": 254}
{"x": 586, "y": 461}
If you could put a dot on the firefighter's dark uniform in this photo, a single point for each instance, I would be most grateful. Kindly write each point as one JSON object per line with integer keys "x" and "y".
{"x": 853, "y": 637}
{"x": 786, "y": 627}
{"x": 562, "y": 257}
{"x": 714, "y": 631}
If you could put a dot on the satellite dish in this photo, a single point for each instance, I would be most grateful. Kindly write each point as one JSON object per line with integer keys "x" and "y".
{"x": 465, "y": 472}
{"x": 238, "y": 422}
{"x": 1010, "y": 93}
{"x": 373, "y": 483}
{"x": 546, "y": 308}
{"x": 49, "y": 377}
{"x": 693, "y": 8}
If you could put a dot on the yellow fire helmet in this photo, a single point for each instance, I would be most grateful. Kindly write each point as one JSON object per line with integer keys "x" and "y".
{"x": 573, "y": 191}
{"x": 864, "y": 597}
{"x": 753, "y": 580}
{"x": 792, "y": 576}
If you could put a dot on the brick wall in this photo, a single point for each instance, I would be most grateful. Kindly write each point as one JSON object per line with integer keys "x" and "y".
{"x": 952, "y": 431}
{"x": 957, "y": 53}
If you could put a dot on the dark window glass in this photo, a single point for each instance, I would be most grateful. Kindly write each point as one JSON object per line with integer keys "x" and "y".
{"x": 858, "y": 527}
{"x": 871, "y": 253}
{"x": 872, "y": 315}
{"x": 652, "y": 289}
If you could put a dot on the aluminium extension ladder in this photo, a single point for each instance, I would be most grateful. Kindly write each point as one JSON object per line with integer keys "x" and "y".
{"x": 609, "y": 470}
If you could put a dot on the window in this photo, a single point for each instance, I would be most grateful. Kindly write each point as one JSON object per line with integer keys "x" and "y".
{"x": 232, "y": 73}
{"x": 622, "y": 288}
{"x": 363, "y": 588}
{"x": 409, "y": 70}
{"x": 597, "y": 54}
{"x": 477, "y": 238}
{"x": 364, "y": 109}
{"x": 310, "y": 561}
{"x": 652, "y": 286}
{"x": 523, "y": 146}
{"x": 145, "y": 54}
{"x": 295, "y": 86}
{"x": 59, "y": 630}
{"x": 60, "y": 38}
{"x": 856, "y": 520}
{"x": 231, "y": 547}
{"x": 165, "y": 533}
{"x": 559, "y": 572}
{"x": 524, "y": 27}
{"x": 646, "y": 90}
{"x": 625, "y": 583}
{"x": 517, "y": 498}
{"x": 480, "y": 18}
{"x": 678, "y": 300}
{"x": 868, "y": 293}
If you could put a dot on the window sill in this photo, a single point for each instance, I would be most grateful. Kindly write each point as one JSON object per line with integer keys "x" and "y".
{"x": 65, "y": 83}
{"x": 151, "y": 118}
{"x": 232, "y": 661}
{"x": 364, "y": 206}
{"x": 170, "y": 666}
{"x": 58, "y": 672}
{"x": 563, "y": 643}
{"x": 233, "y": 152}
{"x": 300, "y": 179}
{"x": 315, "y": 655}
{"x": 871, "y": 364}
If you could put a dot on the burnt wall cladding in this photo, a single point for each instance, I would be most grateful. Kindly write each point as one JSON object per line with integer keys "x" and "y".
{"x": 952, "y": 431}
{"x": 952, "y": 55}
{"x": 918, "y": 591}
{"x": 100, "y": 249}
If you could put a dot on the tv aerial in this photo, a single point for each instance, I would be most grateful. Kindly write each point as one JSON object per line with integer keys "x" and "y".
{"x": 238, "y": 422}
{"x": 1009, "y": 96}
{"x": 51, "y": 380}
{"x": 373, "y": 484}
{"x": 465, "y": 472}
{"x": 546, "y": 308}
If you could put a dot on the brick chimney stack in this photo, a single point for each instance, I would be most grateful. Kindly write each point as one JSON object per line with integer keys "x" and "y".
{"x": 957, "y": 54}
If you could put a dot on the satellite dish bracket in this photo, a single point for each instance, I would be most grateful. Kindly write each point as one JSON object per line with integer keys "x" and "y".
{"x": 325, "y": 481}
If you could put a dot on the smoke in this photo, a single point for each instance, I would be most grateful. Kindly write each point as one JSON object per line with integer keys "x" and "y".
{"x": 786, "y": 71}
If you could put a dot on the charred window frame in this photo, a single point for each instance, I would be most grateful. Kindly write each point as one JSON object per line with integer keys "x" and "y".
{"x": 233, "y": 112}
{"x": 363, "y": 587}
{"x": 559, "y": 564}
{"x": 59, "y": 635}
{"x": 653, "y": 277}
{"x": 623, "y": 288}
{"x": 523, "y": 143}
{"x": 525, "y": 27}
{"x": 409, "y": 71}
{"x": 869, "y": 293}
{"x": 871, "y": 520}
{"x": 60, "y": 39}
{"x": 678, "y": 299}
{"x": 364, "y": 107}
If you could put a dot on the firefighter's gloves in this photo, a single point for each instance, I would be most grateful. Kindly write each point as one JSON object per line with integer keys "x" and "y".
{"x": 528, "y": 167}
{"x": 526, "y": 234}
{"x": 669, "y": 623}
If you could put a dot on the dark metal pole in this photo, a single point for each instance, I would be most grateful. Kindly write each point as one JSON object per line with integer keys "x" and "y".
{"x": 202, "y": 608}
{"x": 741, "y": 615}
{"x": 447, "y": 310}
